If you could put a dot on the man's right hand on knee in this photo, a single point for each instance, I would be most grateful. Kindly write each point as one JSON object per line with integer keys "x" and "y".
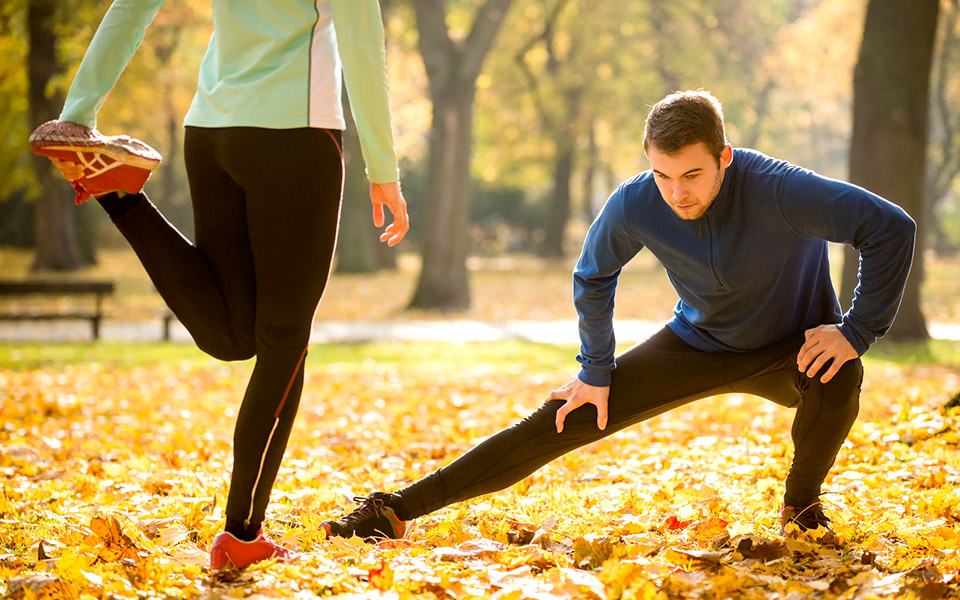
{"x": 577, "y": 393}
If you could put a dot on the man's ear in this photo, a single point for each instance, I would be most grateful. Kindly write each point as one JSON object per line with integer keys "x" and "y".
{"x": 726, "y": 156}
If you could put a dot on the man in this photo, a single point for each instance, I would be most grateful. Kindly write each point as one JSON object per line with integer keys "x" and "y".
{"x": 743, "y": 238}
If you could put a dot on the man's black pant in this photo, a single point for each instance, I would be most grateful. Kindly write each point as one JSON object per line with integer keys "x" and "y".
{"x": 651, "y": 378}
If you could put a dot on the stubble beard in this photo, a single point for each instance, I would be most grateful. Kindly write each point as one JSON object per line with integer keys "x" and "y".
{"x": 714, "y": 192}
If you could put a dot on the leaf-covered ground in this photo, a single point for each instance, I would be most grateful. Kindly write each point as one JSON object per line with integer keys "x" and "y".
{"x": 114, "y": 464}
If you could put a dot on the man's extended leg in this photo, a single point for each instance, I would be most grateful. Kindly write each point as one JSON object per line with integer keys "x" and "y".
{"x": 662, "y": 373}
{"x": 652, "y": 378}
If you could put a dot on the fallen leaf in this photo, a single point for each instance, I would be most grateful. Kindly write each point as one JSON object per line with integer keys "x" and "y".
{"x": 672, "y": 523}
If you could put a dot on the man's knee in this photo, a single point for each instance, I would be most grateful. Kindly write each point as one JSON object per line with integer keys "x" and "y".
{"x": 579, "y": 426}
{"x": 545, "y": 417}
{"x": 541, "y": 420}
{"x": 849, "y": 378}
{"x": 842, "y": 392}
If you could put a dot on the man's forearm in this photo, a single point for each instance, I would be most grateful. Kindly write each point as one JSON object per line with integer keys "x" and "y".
{"x": 594, "y": 303}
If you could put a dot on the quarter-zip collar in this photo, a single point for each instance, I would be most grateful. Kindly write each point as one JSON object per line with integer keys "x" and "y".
{"x": 713, "y": 219}
{"x": 720, "y": 207}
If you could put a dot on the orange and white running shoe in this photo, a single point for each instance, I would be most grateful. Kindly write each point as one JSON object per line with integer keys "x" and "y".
{"x": 229, "y": 552}
{"x": 115, "y": 163}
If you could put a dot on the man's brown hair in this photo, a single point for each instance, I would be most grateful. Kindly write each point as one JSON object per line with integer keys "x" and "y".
{"x": 685, "y": 118}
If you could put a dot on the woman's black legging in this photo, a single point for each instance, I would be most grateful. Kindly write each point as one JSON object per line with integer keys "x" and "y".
{"x": 651, "y": 378}
{"x": 266, "y": 206}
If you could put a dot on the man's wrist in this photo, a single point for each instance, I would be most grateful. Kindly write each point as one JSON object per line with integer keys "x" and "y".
{"x": 594, "y": 377}
{"x": 855, "y": 342}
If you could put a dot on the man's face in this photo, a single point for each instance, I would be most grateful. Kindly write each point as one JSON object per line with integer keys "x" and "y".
{"x": 690, "y": 179}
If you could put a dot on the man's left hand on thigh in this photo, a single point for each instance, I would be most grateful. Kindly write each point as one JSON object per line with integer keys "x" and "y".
{"x": 822, "y": 344}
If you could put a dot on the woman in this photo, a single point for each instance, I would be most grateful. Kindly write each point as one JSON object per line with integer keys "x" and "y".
{"x": 263, "y": 159}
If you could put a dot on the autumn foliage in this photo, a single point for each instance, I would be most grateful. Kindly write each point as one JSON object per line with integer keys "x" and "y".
{"x": 115, "y": 469}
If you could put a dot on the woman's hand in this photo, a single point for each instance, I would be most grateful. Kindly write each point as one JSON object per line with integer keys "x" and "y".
{"x": 71, "y": 171}
{"x": 389, "y": 194}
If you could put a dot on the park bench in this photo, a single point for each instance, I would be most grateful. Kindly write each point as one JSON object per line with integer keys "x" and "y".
{"x": 68, "y": 288}
{"x": 42, "y": 288}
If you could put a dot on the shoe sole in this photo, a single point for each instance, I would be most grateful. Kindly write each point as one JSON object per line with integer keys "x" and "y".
{"x": 120, "y": 149}
{"x": 110, "y": 163}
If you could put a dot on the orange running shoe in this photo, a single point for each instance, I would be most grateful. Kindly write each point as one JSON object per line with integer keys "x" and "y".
{"x": 228, "y": 551}
{"x": 116, "y": 163}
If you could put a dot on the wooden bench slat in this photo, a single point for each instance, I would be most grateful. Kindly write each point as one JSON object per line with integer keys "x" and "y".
{"x": 29, "y": 316}
{"x": 55, "y": 287}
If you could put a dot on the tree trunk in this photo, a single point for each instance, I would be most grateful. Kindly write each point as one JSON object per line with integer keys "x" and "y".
{"x": 452, "y": 68}
{"x": 888, "y": 147}
{"x": 386, "y": 256}
{"x": 589, "y": 210}
{"x": 357, "y": 239}
{"x": 165, "y": 186}
{"x": 56, "y": 247}
{"x": 86, "y": 226}
{"x": 358, "y": 242}
{"x": 944, "y": 163}
{"x": 168, "y": 184}
{"x": 559, "y": 214}
{"x": 444, "y": 282}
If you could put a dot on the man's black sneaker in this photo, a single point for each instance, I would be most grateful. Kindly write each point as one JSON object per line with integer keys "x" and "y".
{"x": 805, "y": 518}
{"x": 374, "y": 520}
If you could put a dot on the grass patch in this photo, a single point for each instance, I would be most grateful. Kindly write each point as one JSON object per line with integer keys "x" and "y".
{"x": 508, "y": 356}
{"x": 26, "y": 356}
{"x": 931, "y": 352}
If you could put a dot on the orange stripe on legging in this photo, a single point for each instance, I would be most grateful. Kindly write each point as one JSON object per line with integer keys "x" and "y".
{"x": 256, "y": 484}
{"x": 276, "y": 421}
{"x": 286, "y": 392}
{"x": 335, "y": 143}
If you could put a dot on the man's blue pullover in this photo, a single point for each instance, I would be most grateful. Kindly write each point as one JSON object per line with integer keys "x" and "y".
{"x": 753, "y": 269}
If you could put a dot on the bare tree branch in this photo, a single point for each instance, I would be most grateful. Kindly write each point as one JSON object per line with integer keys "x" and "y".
{"x": 435, "y": 43}
{"x": 481, "y": 37}
{"x": 533, "y": 82}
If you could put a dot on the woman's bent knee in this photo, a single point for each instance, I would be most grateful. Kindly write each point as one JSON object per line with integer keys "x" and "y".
{"x": 228, "y": 347}
{"x": 282, "y": 337}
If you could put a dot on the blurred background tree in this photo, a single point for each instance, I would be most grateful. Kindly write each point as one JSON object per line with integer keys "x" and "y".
{"x": 43, "y": 43}
{"x": 943, "y": 163}
{"x": 514, "y": 118}
{"x": 891, "y": 86}
{"x": 454, "y": 46}
{"x": 56, "y": 233}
